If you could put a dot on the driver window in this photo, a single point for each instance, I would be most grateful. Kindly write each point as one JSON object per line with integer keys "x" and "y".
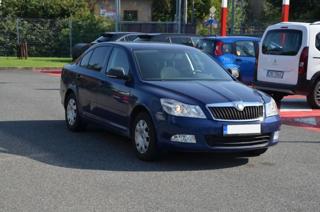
{"x": 119, "y": 59}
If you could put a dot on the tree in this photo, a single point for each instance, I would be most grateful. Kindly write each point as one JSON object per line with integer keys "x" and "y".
{"x": 165, "y": 10}
{"x": 42, "y": 8}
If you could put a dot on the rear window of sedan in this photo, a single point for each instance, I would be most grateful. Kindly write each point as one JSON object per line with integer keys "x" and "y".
{"x": 282, "y": 42}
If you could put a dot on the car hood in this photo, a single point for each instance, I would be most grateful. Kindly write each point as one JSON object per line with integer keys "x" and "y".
{"x": 207, "y": 92}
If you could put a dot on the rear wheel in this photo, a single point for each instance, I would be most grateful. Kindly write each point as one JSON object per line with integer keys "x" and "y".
{"x": 314, "y": 96}
{"x": 72, "y": 116}
{"x": 144, "y": 137}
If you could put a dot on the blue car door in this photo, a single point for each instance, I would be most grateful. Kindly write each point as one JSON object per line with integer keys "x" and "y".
{"x": 245, "y": 58}
{"x": 114, "y": 94}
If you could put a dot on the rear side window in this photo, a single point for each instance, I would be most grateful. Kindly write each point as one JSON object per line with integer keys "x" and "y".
{"x": 318, "y": 41}
{"x": 98, "y": 58}
{"x": 206, "y": 46}
{"x": 245, "y": 49}
{"x": 282, "y": 42}
{"x": 182, "y": 40}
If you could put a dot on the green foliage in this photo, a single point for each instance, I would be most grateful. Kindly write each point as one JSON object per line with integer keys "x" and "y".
{"x": 165, "y": 10}
{"x": 42, "y": 8}
{"x": 46, "y": 26}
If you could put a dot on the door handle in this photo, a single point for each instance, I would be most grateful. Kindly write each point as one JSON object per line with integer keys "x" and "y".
{"x": 238, "y": 60}
{"x": 78, "y": 76}
{"x": 316, "y": 57}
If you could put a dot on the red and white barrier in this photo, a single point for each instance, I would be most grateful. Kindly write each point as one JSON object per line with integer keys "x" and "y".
{"x": 285, "y": 10}
{"x": 224, "y": 17}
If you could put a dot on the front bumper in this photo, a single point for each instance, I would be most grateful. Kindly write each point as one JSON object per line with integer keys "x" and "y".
{"x": 209, "y": 134}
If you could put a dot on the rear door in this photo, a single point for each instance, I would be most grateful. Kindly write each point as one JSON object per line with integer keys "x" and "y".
{"x": 90, "y": 79}
{"x": 245, "y": 58}
{"x": 279, "y": 56}
{"x": 314, "y": 51}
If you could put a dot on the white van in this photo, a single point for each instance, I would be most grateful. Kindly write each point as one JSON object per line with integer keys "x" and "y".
{"x": 289, "y": 61}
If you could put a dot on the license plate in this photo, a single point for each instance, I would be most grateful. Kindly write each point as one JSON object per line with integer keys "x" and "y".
{"x": 241, "y": 129}
{"x": 275, "y": 74}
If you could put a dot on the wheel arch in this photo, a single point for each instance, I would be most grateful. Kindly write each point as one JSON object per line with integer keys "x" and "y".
{"x": 136, "y": 110}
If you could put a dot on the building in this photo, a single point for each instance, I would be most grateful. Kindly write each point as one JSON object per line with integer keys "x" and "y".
{"x": 131, "y": 10}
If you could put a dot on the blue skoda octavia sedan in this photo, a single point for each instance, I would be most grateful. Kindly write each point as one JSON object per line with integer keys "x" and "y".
{"x": 166, "y": 96}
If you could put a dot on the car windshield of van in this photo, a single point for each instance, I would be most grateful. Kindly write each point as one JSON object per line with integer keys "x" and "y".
{"x": 282, "y": 42}
{"x": 178, "y": 64}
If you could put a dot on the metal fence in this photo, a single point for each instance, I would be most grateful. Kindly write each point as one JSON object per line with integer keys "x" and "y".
{"x": 55, "y": 37}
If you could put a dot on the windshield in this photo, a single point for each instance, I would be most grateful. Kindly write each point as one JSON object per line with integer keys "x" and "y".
{"x": 282, "y": 42}
{"x": 173, "y": 64}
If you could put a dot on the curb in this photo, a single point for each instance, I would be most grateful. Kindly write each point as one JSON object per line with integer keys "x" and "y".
{"x": 48, "y": 70}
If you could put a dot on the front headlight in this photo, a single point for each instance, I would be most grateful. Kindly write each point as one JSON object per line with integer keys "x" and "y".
{"x": 271, "y": 108}
{"x": 176, "y": 108}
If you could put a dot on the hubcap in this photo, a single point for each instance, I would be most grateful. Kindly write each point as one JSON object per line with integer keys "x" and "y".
{"x": 141, "y": 136}
{"x": 71, "y": 112}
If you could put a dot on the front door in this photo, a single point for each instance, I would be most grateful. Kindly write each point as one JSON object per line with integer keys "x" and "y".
{"x": 114, "y": 94}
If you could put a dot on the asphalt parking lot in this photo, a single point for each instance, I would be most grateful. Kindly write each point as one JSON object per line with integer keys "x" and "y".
{"x": 44, "y": 167}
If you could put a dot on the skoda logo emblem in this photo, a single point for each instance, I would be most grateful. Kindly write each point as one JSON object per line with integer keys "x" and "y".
{"x": 239, "y": 106}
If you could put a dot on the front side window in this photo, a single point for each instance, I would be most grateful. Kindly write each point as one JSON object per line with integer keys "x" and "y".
{"x": 85, "y": 59}
{"x": 245, "y": 49}
{"x": 318, "y": 41}
{"x": 282, "y": 42}
{"x": 119, "y": 59}
{"x": 180, "y": 65}
{"x": 98, "y": 58}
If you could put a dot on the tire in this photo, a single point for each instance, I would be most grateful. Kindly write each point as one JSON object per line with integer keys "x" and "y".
{"x": 255, "y": 153}
{"x": 144, "y": 138}
{"x": 73, "y": 118}
{"x": 313, "y": 97}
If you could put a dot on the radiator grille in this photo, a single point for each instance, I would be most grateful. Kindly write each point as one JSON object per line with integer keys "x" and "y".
{"x": 231, "y": 113}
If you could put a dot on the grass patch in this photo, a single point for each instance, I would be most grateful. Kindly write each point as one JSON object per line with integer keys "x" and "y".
{"x": 34, "y": 62}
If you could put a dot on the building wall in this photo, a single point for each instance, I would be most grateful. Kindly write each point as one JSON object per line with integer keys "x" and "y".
{"x": 143, "y": 8}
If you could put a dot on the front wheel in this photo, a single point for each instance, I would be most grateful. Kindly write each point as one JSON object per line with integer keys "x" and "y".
{"x": 313, "y": 97}
{"x": 144, "y": 138}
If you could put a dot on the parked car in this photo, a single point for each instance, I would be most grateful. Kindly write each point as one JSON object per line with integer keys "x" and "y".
{"x": 234, "y": 53}
{"x": 166, "y": 96}
{"x": 289, "y": 61}
{"x": 79, "y": 48}
{"x": 184, "y": 39}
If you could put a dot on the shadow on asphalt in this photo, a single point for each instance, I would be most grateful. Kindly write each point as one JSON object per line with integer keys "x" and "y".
{"x": 51, "y": 143}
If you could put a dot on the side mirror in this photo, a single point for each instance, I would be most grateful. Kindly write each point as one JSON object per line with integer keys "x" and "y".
{"x": 117, "y": 73}
{"x": 234, "y": 72}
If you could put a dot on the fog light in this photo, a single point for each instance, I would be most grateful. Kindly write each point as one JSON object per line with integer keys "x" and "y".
{"x": 184, "y": 139}
{"x": 276, "y": 135}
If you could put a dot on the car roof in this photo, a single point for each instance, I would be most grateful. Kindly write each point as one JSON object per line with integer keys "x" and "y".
{"x": 147, "y": 45}
{"x": 232, "y": 38}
